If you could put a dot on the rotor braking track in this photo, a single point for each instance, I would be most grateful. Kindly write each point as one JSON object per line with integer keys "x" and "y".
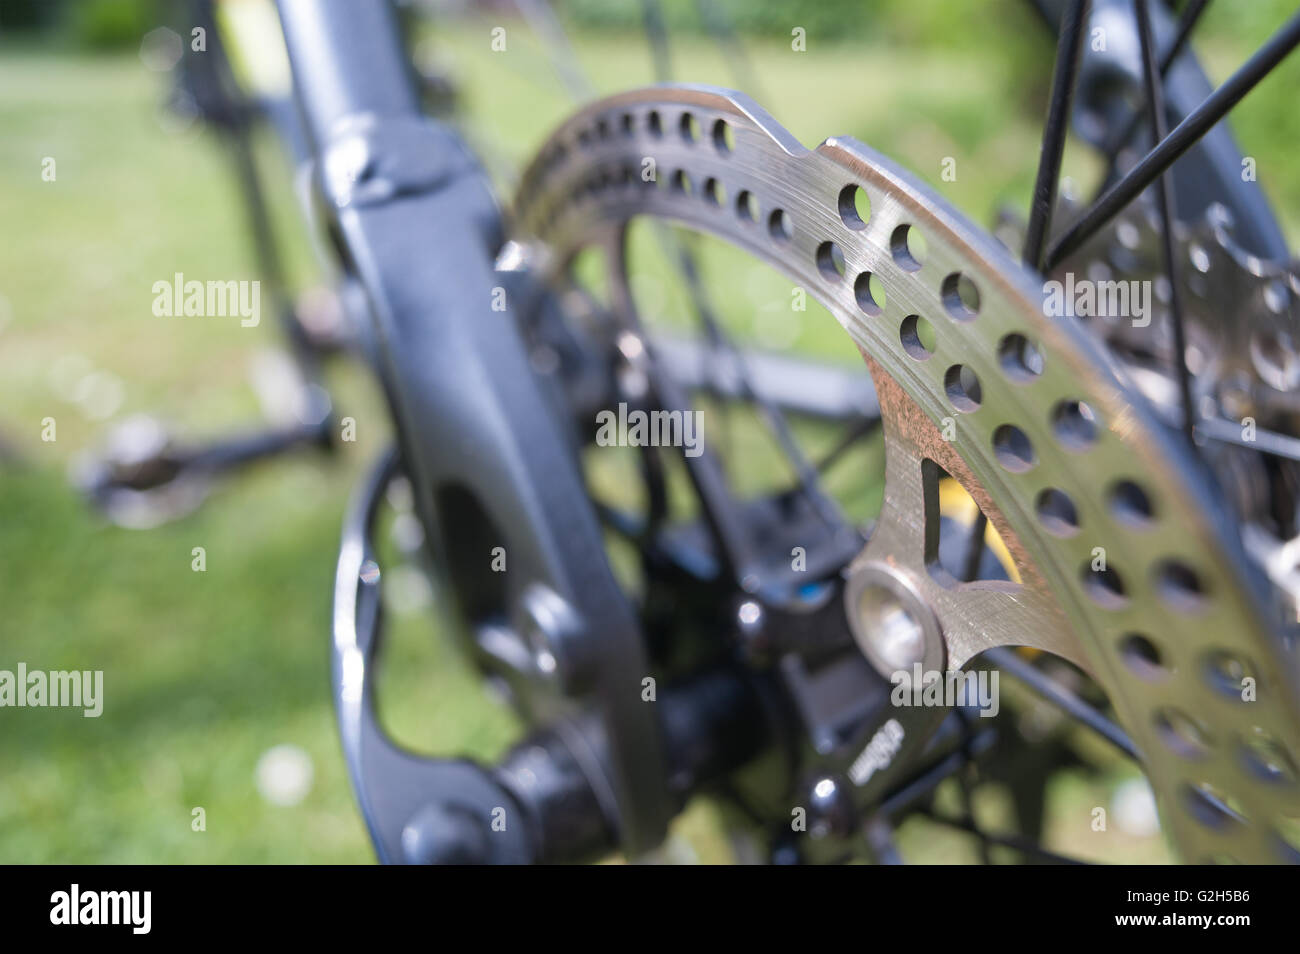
{"x": 1066, "y": 460}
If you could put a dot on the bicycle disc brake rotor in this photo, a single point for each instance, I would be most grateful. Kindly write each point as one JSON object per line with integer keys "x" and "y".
{"x": 1126, "y": 563}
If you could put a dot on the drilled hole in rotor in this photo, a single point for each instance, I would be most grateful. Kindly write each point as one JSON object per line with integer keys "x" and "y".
{"x": 1057, "y": 513}
{"x": 1143, "y": 658}
{"x": 1181, "y": 733}
{"x": 963, "y": 388}
{"x": 1180, "y": 586}
{"x": 747, "y": 205}
{"x": 1105, "y": 586}
{"x": 830, "y": 260}
{"x": 908, "y": 247}
{"x": 1199, "y": 257}
{"x": 1013, "y": 449}
{"x": 714, "y": 193}
{"x": 951, "y": 515}
{"x": 655, "y": 124}
{"x": 855, "y": 207}
{"x": 1275, "y": 358}
{"x": 779, "y": 225}
{"x": 917, "y": 337}
{"x": 1228, "y": 674}
{"x": 689, "y": 127}
{"x": 1020, "y": 357}
{"x": 1212, "y": 807}
{"x": 724, "y": 140}
{"x": 602, "y": 128}
{"x": 1130, "y": 504}
{"x": 1267, "y": 759}
{"x": 627, "y": 123}
{"x": 1075, "y": 425}
{"x": 960, "y": 297}
{"x": 870, "y": 292}
{"x": 682, "y": 182}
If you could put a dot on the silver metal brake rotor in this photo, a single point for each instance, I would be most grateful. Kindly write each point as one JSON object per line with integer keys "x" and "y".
{"x": 1065, "y": 459}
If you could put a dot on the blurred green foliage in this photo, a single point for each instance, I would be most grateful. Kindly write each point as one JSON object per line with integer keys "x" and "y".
{"x": 86, "y": 24}
{"x": 110, "y": 24}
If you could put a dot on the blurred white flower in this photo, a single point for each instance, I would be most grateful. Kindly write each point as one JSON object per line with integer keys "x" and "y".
{"x": 407, "y": 590}
{"x": 161, "y": 49}
{"x": 100, "y": 395}
{"x": 284, "y": 775}
{"x": 1133, "y": 806}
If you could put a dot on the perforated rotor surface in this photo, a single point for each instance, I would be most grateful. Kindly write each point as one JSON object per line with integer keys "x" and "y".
{"x": 1067, "y": 461}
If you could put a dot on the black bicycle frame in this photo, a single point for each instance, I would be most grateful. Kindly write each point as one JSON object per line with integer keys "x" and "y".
{"x": 416, "y": 226}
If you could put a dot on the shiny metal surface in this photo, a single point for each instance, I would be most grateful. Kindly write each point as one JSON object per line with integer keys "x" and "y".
{"x": 1178, "y": 605}
{"x": 1243, "y": 312}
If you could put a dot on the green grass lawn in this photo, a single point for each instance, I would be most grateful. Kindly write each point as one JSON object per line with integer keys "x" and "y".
{"x": 206, "y": 671}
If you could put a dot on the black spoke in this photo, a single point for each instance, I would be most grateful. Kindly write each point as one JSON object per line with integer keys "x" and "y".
{"x": 652, "y": 16}
{"x": 1264, "y": 441}
{"x": 966, "y": 780}
{"x": 1025, "y": 846}
{"x": 975, "y": 546}
{"x": 541, "y": 18}
{"x": 1062, "y": 698}
{"x": 1195, "y": 125}
{"x": 880, "y": 839}
{"x": 1164, "y": 195}
{"x": 716, "y": 20}
{"x": 1058, "y": 123}
{"x": 924, "y": 782}
{"x": 858, "y": 431}
{"x": 721, "y": 511}
{"x": 1186, "y": 24}
{"x": 720, "y": 342}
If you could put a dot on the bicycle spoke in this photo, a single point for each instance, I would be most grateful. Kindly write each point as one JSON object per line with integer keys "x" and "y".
{"x": 1186, "y": 24}
{"x": 924, "y": 782}
{"x": 1062, "y": 698}
{"x": 719, "y": 507}
{"x": 967, "y": 783}
{"x": 1265, "y": 441}
{"x": 716, "y": 20}
{"x": 1024, "y": 846}
{"x": 1195, "y": 125}
{"x": 1058, "y": 123}
{"x": 858, "y": 431}
{"x": 975, "y": 547}
{"x": 541, "y": 18}
{"x": 880, "y": 839}
{"x": 721, "y": 343}
{"x": 1155, "y": 104}
{"x": 805, "y": 473}
{"x": 652, "y": 16}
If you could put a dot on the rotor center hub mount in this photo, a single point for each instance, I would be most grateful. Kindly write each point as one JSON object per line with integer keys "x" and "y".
{"x": 891, "y": 622}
